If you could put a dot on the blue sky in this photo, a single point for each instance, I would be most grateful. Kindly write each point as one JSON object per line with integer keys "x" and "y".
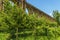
{"x": 46, "y": 5}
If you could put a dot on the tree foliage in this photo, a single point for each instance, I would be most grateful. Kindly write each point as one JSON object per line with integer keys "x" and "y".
{"x": 56, "y": 15}
{"x": 15, "y": 24}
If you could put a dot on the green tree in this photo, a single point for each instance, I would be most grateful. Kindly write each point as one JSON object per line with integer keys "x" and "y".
{"x": 19, "y": 26}
{"x": 16, "y": 21}
{"x": 56, "y": 15}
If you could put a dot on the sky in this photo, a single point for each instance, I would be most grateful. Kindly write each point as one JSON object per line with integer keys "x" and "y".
{"x": 46, "y": 5}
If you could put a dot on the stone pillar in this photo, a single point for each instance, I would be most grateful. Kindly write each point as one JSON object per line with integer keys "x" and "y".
{"x": 1, "y": 5}
{"x": 20, "y": 3}
{"x": 23, "y": 4}
{"x": 30, "y": 10}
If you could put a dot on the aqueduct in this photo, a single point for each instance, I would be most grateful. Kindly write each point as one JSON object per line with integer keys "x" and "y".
{"x": 31, "y": 8}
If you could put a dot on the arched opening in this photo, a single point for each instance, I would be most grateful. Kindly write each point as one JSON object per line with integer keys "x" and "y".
{"x": 26, "y": 10}
{"x": 11, "y": 3}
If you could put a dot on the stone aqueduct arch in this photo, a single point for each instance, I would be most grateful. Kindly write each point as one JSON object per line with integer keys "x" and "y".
{"x": 31, "y": 8}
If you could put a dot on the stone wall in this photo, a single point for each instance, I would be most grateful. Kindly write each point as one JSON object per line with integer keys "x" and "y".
{"x": 40, "y": 13}
{"x": 1, "y": 5}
